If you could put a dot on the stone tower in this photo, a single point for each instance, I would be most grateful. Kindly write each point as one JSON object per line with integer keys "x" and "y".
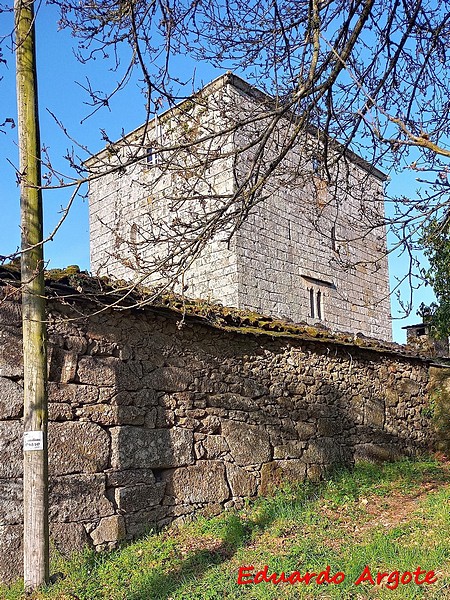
{"x": 181, "y": 199}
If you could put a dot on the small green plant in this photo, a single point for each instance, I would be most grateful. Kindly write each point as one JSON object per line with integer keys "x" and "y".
{"x": 393, "y": 517}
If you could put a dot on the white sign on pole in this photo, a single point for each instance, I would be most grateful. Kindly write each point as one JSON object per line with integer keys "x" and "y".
{"x": 33, "y": 440}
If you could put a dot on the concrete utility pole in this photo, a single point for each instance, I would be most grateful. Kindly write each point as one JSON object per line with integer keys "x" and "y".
{"x": 35, "y": 466}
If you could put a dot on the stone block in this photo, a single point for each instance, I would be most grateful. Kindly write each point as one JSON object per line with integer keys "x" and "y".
{"x": 231, "y": 401}
{"x": 374, "y": 413}
{"x": 11, "y": 505}
{"x": 75, "y": 447}
{"x": 249, "y": 444}
{"x": 11, "y": 312}
{"x": 138, "y": 447}
{"x": 110, "y": 372}
{"x": 78, "y": 498}
{"x": 328, "y": 427}
{"x": 11, "y": 553}
{"x": 215, "y": 446}
{"x": 11, "y": 449}
{"x": 170, "y": 379}
{"x": 58, "y": 411}
{"x": 292, "y": 449}
{"x": 62, "y": 364}
{"x": 242, "y": 483}
{"x": 11, "y": 352}
{"x": 11, "y": 399}
{"x": 377, "y": 452}
{"x": 110, "y": 529}
{"x": 133, "y": 498}
{"x": 203, "y": 482}
{"x": 323, "y": 450}
{"x": 277, "y": 472}
{"x": 145, "y": 397}
{"x": 129, "y": 477}
{"x": 72, "y": 393}
{"x": 143, "y": 521}
{"x": 305, "y": 430}
{"x": 68, "y": 538}
{"x": 107, "y": 414}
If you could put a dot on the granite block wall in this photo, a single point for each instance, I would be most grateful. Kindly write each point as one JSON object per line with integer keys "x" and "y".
{"x": 151, "y": 422}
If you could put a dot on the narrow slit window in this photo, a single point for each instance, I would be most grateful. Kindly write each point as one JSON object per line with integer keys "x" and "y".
{"x": 333, "y": 238}
{"x": 311, "y": 303}
{"x": 319, "y": 304}
{"x": 316, "y": 165}
{"x": 149, "y": 156}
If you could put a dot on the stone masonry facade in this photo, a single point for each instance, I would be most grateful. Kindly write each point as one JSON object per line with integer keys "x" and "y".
{"x": 312, "y": 250}
{"x": 151, "y": 422}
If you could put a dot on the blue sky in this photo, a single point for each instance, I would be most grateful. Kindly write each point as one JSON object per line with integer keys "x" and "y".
{"x": 59, "y": 75}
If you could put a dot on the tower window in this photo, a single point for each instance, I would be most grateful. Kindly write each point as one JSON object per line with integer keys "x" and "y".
{"x": 149, "y": 156}
{"x": 333, "y": 238}
{"x": 319, "y": 304}
{"x": 311, "y": 303}
{"x": 316, "y": 165}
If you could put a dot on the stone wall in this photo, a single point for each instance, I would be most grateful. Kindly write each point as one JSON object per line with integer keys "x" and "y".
{"x": 151, "y": 422}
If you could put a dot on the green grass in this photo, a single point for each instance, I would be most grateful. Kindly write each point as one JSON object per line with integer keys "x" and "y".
{"x": 394, "y": 517}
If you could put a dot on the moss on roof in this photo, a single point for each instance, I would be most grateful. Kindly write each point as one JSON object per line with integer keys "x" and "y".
{"x": 77, "y": 286}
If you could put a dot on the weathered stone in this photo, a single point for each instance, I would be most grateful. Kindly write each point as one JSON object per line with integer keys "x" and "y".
{"x": 290, "y": 450}
{"x": 110, "y": 529}
{"x": 139, "y": 497}
{"x": 72, "y": 393}
{"x": 374, "y": 413}
{"x": 277, "y": 472}
{"x": 203, "y": 482}
{"x": 68, "y": 538}
{"x": 11, "y": 505}
{"x": 129, "y": 477}
{"x": 107, "y": 414}
{"x": 145, "y": 397}
{"x": 77, "y": 448}
{"x": 109, "y": 371}
{"x": 143, "y": 521}
{"x": 78, "y": 498}
{"x": 376, "y": 453}
{"x": 11, "y": 358}
{"x": 408, "y": 388}
{"x": 11, "y": 449}
{"x": 11, "y": 553}
{"x": 170, "y": 379}
{"x": 98, "y": 371}
{"x": 231, "y": 401}
{"x": 249, "y": 444}
{"x": 11, "y": 399}
{"x": 57, "y": 411}
{"x": 391, "y": 396}
{"x": 328, "y": 427}
{"x": 11, "y": 312}
{"x": 305, "y": 430}
{"x": 314, "y": 472}
{"x": 77, "y": 344}
{"x": 324, "y": 450}
{"x": 242, "y": 483}
{"x": 137, "y": 447}
{"x": 63, "y": 365}
{"x": 215, "y": 446}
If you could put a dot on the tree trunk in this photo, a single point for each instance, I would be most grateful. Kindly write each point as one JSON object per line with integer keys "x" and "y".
{"x": 35, "y": 476}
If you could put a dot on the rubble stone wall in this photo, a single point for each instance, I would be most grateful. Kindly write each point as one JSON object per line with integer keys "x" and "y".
{"x": 151, "y": 422}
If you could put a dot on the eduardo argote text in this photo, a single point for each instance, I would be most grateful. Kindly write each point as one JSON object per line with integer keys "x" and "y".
{"x": 248, "y": 575}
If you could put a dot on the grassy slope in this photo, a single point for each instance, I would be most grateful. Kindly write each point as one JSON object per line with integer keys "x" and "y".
{"x": 390, "y": 517}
